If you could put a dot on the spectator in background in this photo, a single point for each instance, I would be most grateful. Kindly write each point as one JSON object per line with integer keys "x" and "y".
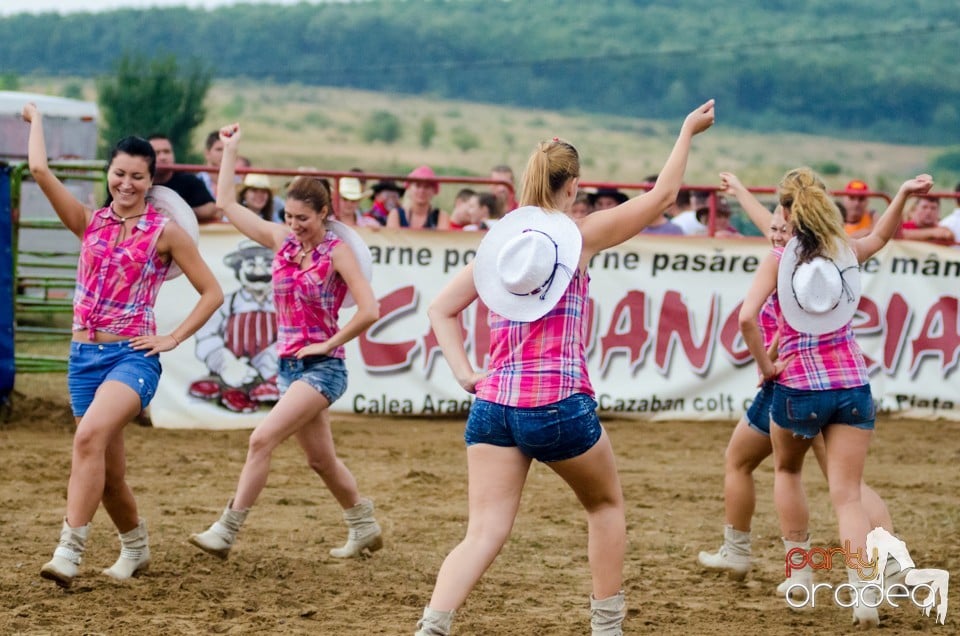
{"x": 257, "y": 194}
{"x": 507, "y": 195}
{"x": 485, "y": 212}
{"x": 212, "y": 155}
{"x": 859, "y": 217}
{"x": 420, "y": 213}
{"x": 582, "y": 206}
{"x": 463, "y": 205}
{"x": 188, "y": 186}
{"x": 921, "y": 224}
{"x": 351, "y": 193}
{"x": 386, "y": 198}
{"x": 662, "y": 224}
{"x": 722, "y": 228}
{"x": 689, "y": 203}
{"x": 952, "y": 220}
{"x": 606, "y": 198}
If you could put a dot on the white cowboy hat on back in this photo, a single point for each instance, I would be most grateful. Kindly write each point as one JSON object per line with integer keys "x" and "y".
{"x": 821, "y": 295}
{"x": 526, "y": 261}
{"x": 360, "y": 250}
{"x": 168, "y": 203}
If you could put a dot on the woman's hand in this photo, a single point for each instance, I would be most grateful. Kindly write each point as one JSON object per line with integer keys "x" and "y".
{"x": 30, "y": 112}
{"x": 700, "y": 119}
{"x": 469, "y": 383}
{"x": 920, "y": 184}
{"x": 315, "y": 349}
{"x": 154, "y": 344}
{"x": 230, "y": 135}
{"x": 730, "y": 184}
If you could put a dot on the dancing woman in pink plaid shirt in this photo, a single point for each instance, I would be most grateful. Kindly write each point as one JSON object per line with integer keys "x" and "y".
{"x": 126, "y": 252}
{"x": 821, "y": 382}
{"x": 535, "y": 400}
{"x": 316, "y": 265}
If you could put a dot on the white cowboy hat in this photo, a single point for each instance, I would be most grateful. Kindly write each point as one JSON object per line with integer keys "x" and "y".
{"x": 821, "y": 295}
{"x": 168, "y": 203}
{"x": 526, "y": 261}
{"x": 351, "y": 190}
{"x": 349, "y": 236}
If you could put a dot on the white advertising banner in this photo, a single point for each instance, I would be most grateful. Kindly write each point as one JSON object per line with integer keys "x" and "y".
{"x": 665, "y": 342}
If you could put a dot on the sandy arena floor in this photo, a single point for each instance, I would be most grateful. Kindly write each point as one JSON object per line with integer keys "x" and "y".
{"x": 280, "y": 580}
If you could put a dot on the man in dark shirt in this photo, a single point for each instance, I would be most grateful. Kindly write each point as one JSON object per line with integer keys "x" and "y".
{"x": 188, "y": 186}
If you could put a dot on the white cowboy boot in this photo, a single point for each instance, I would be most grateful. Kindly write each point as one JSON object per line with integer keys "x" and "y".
{"x": 219, "y": 538}
{"x": 799, "y": 577}
{"x": 733, "y": 556}
{"x": 62, "y": 568}
{"x": 868, "y": 599}
{"x": 434, "y": 623}
{"x": 363, "y": 531}
{"x": 134, "y": 553}
{"x": 606, "y": 615}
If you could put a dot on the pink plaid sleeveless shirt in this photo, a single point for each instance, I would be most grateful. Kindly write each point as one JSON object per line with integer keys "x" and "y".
{"x": 821, "y": 362}
{"x": 544, "y": 361}
{"x": 307, "y": 301}
{"x": 118, "y": 281}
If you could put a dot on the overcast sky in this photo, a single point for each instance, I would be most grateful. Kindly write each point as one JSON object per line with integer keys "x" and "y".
{"x": 8, "y": 7}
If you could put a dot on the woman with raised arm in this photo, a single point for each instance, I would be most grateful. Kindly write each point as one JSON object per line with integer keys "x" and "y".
{"x": 750, "y": 443}
{"x": 820, "y": 379}
{"x": 127, "y": 250}
{"x": 320, "y": 266}
{"x": 535, "y": 400}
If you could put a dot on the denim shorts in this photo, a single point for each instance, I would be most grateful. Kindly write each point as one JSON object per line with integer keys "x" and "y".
{"x": 92, "y": 364}
{"x": 805, "y": 413}
{"x": 325, "y": 374}
{"x": 758, "y": 415}
{"x": 550, "y": 433}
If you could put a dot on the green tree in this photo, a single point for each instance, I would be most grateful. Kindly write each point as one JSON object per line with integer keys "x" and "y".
{"x": 381, "y": 126}
{"x": 464, "y": 139}
{"x": 428, "y": 130}
{"x": 9, "y": 82}
{"x": 153, "y": 96}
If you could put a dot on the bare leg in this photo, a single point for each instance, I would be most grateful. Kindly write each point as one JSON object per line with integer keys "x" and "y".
{"x": 746, "y": 449}
{"x": 316, "y": 439}
{"x": 788, "y": 494}
{"x": 873, "y": 503}
{"x": 113, "y": 406}
{"x": 118, "y": 498}
{"x": 593, "y": 477}
{"x": 495, "y": 481}
{"x": 846, "y": 453}
{"x": 294, "y": 410}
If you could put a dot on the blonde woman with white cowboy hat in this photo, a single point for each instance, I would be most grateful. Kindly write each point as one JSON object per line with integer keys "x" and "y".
{"x": 535, "y": 400}
{"x": 320, "y": 265}
{"x": 820, "y": 379}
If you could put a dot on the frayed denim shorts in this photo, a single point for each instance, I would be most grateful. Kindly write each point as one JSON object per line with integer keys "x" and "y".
{"x": 325, "y": 374}
{"x": 806, "y": 412}
{"x": 91, "y": 364}
{"x": 549, "y": 433}
{"x": 758, "y": 415}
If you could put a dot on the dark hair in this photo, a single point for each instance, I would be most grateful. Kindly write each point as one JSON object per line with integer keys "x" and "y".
{"x": 136, "y": 147}
{"x": 312, "y": 191}
{"x": 157, "y": 135}
{"x": 212, "y": 138}
{"x": 464, "y": 194}
{"x": 683, "y": 199}
{"x": 490, "y": 201}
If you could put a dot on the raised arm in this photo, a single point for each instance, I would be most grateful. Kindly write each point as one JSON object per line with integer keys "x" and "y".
{"x": 758, "y": 212}
{"x": 885, "y": 228}
{"x": 75, "y": 215}
{"x": 764, "y": 283}
{"x": 607, "y": 228}
{"x": 266, "y": 233}
{"x": 444, "y": 312}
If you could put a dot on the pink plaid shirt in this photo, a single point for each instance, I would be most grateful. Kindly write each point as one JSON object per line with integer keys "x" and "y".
{"x": 821, "y": 362}
{"x": 307, "y": 301}
{"x": 544, "y": 361}
{"x": 117, "y": 281}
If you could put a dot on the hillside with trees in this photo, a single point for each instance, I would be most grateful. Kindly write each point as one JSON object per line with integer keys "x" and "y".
{"x": 877, "y": 70}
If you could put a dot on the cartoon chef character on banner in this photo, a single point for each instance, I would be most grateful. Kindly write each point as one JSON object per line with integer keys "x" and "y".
{"x": 238, "y": 343}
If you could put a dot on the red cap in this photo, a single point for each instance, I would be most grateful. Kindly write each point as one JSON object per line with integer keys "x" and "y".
{"x": 857, "y": 186}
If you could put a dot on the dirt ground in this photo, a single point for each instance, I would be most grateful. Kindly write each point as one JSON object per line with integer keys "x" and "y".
{"x": 280, "y": 580}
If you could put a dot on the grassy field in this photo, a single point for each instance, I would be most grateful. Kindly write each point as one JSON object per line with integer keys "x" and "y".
{"x": 288, "y": 126}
